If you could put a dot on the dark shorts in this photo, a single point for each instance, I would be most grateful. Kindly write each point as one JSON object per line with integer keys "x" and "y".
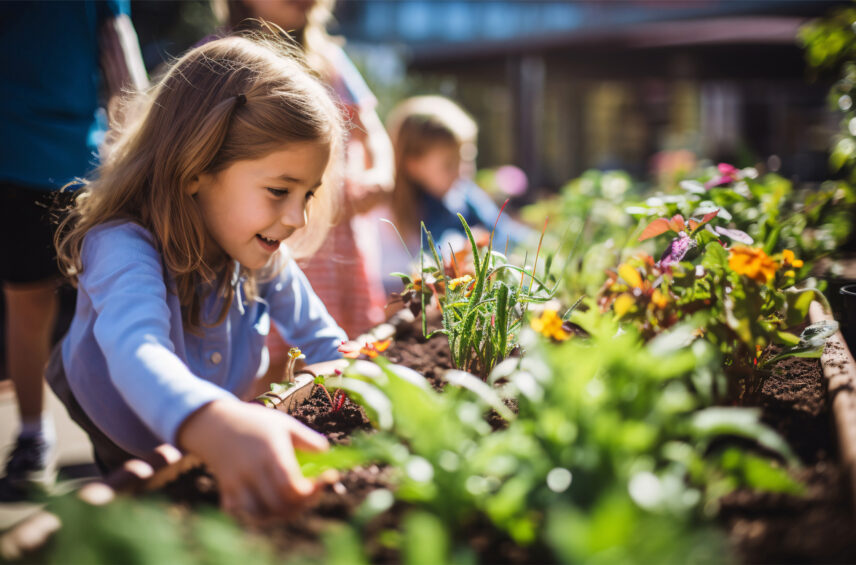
{"x": 28, "y": 221}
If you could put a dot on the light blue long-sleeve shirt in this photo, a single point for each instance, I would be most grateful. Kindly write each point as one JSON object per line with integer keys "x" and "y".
{"x": 133, "y": 367}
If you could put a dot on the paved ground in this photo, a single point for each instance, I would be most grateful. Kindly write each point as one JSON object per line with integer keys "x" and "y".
{"x": 74, "y": 452}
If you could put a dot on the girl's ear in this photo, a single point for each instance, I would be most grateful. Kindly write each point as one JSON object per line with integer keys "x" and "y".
{"x": 193, "y": 186}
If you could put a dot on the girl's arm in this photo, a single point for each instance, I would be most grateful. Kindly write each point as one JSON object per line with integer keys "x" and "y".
{"x": 301, "y": 317}
{"x": 249, "y": 448}
{"x": 133, "y": 327}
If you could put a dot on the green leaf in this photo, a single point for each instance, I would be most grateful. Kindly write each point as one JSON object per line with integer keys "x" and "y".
{"x": 338, "y": 457}
{"x": 502, "y": 318}
{"x": 811, "y": 342}
{"x": 716, "y": 421}
{"x": 758, "y": 472}
{"x": 787, "y": 338}
{"x": 798, "y": 304}
{"x": 715, "y": 257}
{"x": 476, "y": 262}
{"x": 343, "y": 546}
{"x": 426, "y": 540}
{"x": 404, "y": 277}
{"x": 481, "y": 389}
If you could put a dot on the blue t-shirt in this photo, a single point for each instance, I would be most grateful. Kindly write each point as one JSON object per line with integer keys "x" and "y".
{"x": 138, "y": 373}
{"x": 50, "y": 122}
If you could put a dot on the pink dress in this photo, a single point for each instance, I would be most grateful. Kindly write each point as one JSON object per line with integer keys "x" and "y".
{"x": 345, "y": 271}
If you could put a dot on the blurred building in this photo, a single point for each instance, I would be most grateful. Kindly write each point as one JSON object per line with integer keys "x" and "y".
{"x": 560, "y": 87}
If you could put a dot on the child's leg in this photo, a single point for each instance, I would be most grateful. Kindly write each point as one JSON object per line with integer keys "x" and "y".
{"x": 29, "y": 275}
{"x": 30, "y": 315}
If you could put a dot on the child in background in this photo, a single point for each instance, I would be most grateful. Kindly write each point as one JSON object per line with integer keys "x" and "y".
{"x": 345, "y": 272}
{"x": 176, "y": 246}
{"x": 435, "y": 149}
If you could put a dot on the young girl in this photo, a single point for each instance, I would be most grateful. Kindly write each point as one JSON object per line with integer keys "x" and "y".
{"x": 176, "y": 248}
{"x": 351, "y": 251}
{"x": 434, "y": 141}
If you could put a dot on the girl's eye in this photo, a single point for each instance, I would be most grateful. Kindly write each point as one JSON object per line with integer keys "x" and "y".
{"x": 310, "y": 196}
{"x": 277, "y": 191}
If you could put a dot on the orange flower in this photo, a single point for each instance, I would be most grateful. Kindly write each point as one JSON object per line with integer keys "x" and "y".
{"x": 641, "y": 289}
{"x": 788, "y": 258}
{"x": 753, "y": 263}
{"x": 549, "y": 324}
{"x": 659, "y": 299}
{"x": 371, "y": 349}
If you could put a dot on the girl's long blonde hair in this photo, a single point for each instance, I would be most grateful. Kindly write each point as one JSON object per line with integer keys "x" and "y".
{"x": 416, "y": 126}
{"x": 233, "y": 99}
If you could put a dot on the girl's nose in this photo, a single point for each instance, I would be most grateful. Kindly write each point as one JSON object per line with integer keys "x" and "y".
{"x": 294, "y": 215}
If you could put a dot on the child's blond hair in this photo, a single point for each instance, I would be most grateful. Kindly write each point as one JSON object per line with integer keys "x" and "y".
{"x": 416, "y": 126}
{"x": 233, "y": 99}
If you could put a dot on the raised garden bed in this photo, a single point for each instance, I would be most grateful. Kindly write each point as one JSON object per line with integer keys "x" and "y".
{"x": 799, "y": 401}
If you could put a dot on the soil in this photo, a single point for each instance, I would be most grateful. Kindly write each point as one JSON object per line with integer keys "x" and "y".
{"x": 430, "y": 357}
{"x": 816, "y": 527}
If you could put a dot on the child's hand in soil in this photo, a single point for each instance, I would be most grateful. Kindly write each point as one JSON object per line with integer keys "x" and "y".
{"x": 250, "y": 450}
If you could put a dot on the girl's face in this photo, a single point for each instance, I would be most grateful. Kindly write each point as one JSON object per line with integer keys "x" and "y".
{"x": 287, "y": 14}
{"x": 252, "y": 206}
{"x": 436, "y": 170}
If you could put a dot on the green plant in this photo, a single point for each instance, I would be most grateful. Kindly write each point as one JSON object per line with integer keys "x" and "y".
{"x": 741, "y": 299}
{"x": 612, "y": 454}
{"x": 482, "y": 308}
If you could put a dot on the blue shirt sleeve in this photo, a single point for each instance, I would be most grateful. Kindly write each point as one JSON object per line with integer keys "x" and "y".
{"x": 301, "y": 317}
{"x": 123, "y": 276}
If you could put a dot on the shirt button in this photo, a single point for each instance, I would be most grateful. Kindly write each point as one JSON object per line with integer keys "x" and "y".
{"x": 216, "y": 358}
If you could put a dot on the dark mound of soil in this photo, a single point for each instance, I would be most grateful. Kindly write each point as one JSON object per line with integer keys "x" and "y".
{"x": 336, "y": 425}
{"x": 818, "y": 526}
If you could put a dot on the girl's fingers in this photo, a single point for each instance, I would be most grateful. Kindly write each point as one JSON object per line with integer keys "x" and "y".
{"x": 291, "y": 483}
{"x": 270, "y": 497}
{"x": 307, "y": 439}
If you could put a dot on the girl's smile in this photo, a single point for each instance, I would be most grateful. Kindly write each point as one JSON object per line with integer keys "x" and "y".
{"x": 269, "y": 244}
{"x": 252, "y": 206}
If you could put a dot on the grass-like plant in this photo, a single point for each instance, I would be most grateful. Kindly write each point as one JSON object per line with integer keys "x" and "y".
{"x": 483, "y": 302}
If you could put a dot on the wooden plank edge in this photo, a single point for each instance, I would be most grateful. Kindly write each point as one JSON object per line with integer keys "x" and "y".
{"x": 839, "y": 370}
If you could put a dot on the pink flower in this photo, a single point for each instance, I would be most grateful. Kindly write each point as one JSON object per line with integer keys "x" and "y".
{"x": 727, "y": 175}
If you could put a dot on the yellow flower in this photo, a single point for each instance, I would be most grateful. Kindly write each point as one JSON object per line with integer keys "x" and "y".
{"x": 455, "y": 283}
{"x": 659, "y": 299}
{"x": 789, "y": 258}
{"x": 550, "y": 325}
{"x": 623, "y": 304}
{"x": 790, "y": 273}
{"x": 630, "y": 275}
{"x": 753, "y": 263}
{"x": 295, "y": 353}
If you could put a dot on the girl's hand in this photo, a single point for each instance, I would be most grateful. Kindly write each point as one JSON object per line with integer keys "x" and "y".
{"x": 250, "y": 450}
